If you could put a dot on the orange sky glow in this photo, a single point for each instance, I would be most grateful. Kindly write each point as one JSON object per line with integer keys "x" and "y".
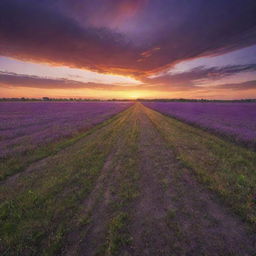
{"x": 128, "y": 49}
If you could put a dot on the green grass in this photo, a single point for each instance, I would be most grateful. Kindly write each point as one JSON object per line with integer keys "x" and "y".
{"x": 225, "y": 168}
{"x": 36, "y": 209}
{"x": 121, "y": 178}
{"x": 19, "y": 162}
{"x": 125, "y": 190}
{"x": 117, "y": 235}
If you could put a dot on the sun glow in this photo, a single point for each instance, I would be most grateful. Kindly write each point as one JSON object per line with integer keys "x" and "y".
{"x": 135, "y": 96}
{"x": 63, "y": 72}
{"x": 140, "y": 94}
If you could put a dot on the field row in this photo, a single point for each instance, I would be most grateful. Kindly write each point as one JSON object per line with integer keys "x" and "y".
{"x": 140, "y": 183}
{"x": 26, "y": 126}
{"x": 32, "y": 131}
{"x": 236, "y": 121}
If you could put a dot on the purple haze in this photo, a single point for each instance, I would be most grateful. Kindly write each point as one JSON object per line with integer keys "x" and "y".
{"x": 235, "y": 120}
{"x": 27, "y": 125}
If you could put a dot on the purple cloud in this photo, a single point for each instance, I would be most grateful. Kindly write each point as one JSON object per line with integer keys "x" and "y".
{"x": 130, "y": 37}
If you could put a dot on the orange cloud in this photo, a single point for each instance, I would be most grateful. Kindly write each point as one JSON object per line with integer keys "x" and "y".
{"x": 63, "y": 39}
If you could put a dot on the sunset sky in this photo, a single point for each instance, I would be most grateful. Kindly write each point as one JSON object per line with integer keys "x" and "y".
{"x": 128, "y": 48}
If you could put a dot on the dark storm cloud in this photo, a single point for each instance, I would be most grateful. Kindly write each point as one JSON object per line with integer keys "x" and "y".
{"x": 153, "y": 35}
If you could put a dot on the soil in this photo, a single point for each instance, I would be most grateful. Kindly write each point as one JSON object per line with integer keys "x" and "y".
{"x": 174, "y": 214}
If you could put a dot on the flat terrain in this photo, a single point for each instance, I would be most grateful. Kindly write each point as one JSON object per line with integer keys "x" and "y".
{"x": 138, "y": 184}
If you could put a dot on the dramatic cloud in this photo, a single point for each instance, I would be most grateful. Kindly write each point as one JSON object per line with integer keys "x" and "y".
{"x": 184, "y": 81}
{"x": 111, "y": 13}
{"x": 34, "y": 31}
{"x": 16, "y": 80}
{"x": 190, "y": 80}
{"x": 248, "y": 85}
{"x": 13, "y": 80}
{"x": 124, "y": 36}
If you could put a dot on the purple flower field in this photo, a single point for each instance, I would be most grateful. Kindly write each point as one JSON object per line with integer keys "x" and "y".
{"x": 235, "y": 120}
{"x": 27, "y": 125}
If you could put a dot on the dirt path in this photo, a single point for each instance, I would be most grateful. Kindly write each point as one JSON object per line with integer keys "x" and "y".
{"x": 86, "y": 238}
{"x": 90, "y": 238}
{"x": 174, "y": 215}
{"x": 37, "y": 168}
{"x": 168, "y": 212}
{"x": 61, "y": 183}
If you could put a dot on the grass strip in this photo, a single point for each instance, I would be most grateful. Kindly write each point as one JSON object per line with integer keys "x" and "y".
{"x": 19, "y": 162}
{"x": 226, "y": 168}
{"x": 36, "y": 209}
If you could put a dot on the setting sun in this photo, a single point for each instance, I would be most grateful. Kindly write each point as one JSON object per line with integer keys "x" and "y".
{"x": 127, "y": 127}
{"x": 134, "y": 96}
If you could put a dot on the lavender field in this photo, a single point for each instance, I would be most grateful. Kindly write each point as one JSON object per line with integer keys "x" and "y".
{"x": 27, "y": 125}
{"x": 234, "y": 120}
{"x": 125, "y": 177}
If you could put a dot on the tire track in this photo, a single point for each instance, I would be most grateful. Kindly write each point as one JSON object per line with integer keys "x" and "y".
{"x": 175, "y": 215}
{"x": 60, "y": 185}
{"x": 90, "y": 238}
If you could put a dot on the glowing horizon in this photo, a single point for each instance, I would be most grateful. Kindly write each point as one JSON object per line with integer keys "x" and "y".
{"x": 120, "y": 49}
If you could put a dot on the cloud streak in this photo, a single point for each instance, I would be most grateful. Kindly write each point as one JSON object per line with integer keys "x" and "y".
{"x": 152, "y": 36}
{"x": 248, "y": 85}
{"x": 191, "y": 79}
{"x": 17, "y": 80}
{"x": 186, "y": 81}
